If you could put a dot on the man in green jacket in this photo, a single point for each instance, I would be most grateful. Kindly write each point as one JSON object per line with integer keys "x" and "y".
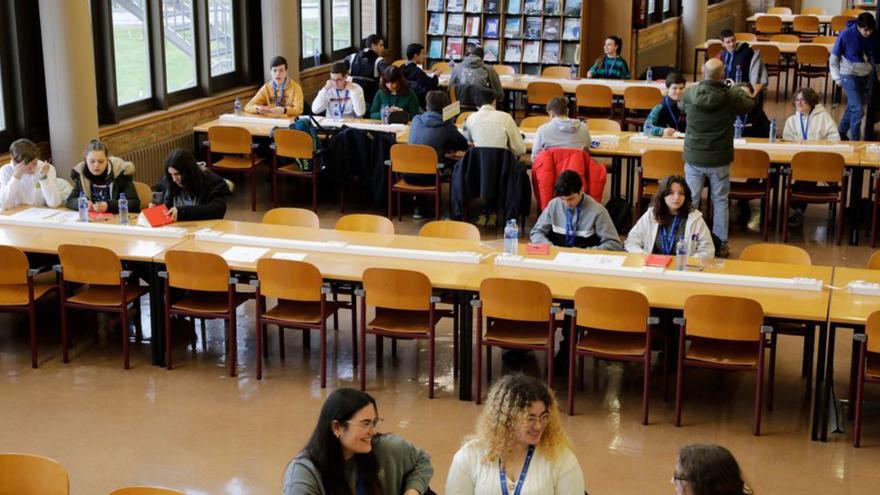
{"x": 711, "y": 108}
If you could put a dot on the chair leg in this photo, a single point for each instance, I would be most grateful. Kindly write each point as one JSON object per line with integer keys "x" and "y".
{"x": 431, "y": 361}
{"x": 363, "y": 347}
{"x": 204, "y": 334}
{"x": 772, "y": 370}
{"x": 281, "y": 342}
{"x": 786, "y": 201}
{"x": 646, "y": 386}
{"x": 860, "y": 387}
{"x": 168, "y": 352}
{"x": 261, "y": 343}
{"x": 572, "y": 344}
{"x": 253, "y": 175}
{"x": 123, "y": 316}
{"x": 455, "y": 339}
{"x": 478, "y": 369}
{"x": 32, "y": 317}
{"x": 323, "y": 333}
{"x": 489, "y": 365}
{"x": 393, "y": 348}
{"x": 581, "y": 373}
{"x": 315, "y": 193}
{"x": 667, "y": 350}
{"x": 679, "y": 379}
{"x": 335, "y": 312}
{"x": 307, "y": 339}
{"x": 65, "y": 335}
{"x": 839, "y": 228}
{"x": 233, "y": 344}
{"x": 399, "y": 209}
{"x": 354, "y": 328}
{"x": 138, "y": 325}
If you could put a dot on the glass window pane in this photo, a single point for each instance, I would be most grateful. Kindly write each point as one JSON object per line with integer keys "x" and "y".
{"x": 341, "y": 24}
{"x": 368, "y": 17}
{"x": 180, "y": 49}
{"x": 310, "y": 14}
{"x": 650, "y": 6}
{"x": 131, "y": 51}
{"x": 221, "y": 36}
{"x": 666, "y": 6}
{"x": 2, "y": 110}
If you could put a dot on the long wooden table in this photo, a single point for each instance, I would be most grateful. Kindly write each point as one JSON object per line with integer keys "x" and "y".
{"x": 520, "y": 83}
{"x": 787, "y": 49}
{"x": 824, "y": 19}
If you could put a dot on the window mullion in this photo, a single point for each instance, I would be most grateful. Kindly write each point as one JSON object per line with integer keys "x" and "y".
{"x": 203, "y": 48}
{"x": 157, "y": 53}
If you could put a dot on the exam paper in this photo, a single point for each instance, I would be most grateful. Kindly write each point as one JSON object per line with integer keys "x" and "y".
{"x": 290, "y": 256}
{"x": 244, "y": 254}
{"x": 603, "y": 260}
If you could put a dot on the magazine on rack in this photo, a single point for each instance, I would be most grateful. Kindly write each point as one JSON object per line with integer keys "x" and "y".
{"x": 513, "y": 51}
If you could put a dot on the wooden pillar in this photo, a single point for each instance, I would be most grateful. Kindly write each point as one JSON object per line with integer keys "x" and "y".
{"x": 693, "y": 30}
{"x": 279, "y": 36}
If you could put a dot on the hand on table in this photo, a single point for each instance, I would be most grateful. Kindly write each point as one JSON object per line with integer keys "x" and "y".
{"x": 100, "y": 207}
{"x": 172, "y": 213}
{"x": 668, "y": 132}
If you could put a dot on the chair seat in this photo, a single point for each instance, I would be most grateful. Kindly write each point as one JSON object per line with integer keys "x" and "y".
{"x": 301, "y": 311}
{"x": 207, "y": 302}
{"x": 516, "y": 332}
{"x": 17, "y": 295}
{"x": 747, "y": 189}
{"x": 815, "y": 193}
{"x": 231, "y": 162}
{"x": 402, "y": 184}
{"x": 293, "y": 170}
{"x": 106, "y": 295}
{"x": 650, "y": 188}
{"x": 621, "y": 343}
{"x": 724, "y": 352}
{"x": 403, "y": 322}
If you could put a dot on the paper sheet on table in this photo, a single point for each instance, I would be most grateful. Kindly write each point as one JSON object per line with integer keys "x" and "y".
{"x": 36, "y": 213}
{"x": 244, "y": 254}
{"x": 603, "y": 260}
{"x": 64, "y": 217}
{"x": 290, "y": 256}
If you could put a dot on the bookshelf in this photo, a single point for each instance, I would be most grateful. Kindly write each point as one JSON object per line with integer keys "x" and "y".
{"x": 525, "y": 34}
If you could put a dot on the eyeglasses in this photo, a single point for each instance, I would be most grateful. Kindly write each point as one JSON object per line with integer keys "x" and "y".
{"x": 678, "y": 477}
{"x": 368, "y": 424}
{"x": 533, "y": 420}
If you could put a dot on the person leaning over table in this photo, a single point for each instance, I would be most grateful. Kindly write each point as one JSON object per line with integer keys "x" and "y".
{"x": 102, "y": 178}
{"x": 610, "y": 65}
{"x": 191, "y": 192}
{"x": 490, "y": 128}
{"x": 561, "y": 131}
{"x": 394, "y": 94}
{"x": 666, "y": 117}
{"x": 279, "y": 96}
{"x": 347, "y": 455}
{"x": 27, "y": 180}
{"x": 574, "y": 219}
{"x": 340, "y": 97}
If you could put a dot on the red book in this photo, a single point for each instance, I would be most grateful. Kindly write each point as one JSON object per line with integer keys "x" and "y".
{"x": 660, "y": 260}
{"x": 154, "y": 217}
{"x": 537, "y": 248}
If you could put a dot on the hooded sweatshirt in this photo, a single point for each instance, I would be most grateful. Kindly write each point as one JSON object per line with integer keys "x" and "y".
{"x": 119, "y": 179}
{"x": 430, "y": 129}
{"x": 818, "y": 125}
{"x": 591, "y": 224}
{"x": 643, "y": 236}
{"x": 561, "y": 133}
{"x": 852, "y": 53}
{"x": 472, "y": 71}
{"x": 711, "y": 108}
{"x": 31, "y": 189}
{"x": 751, "y": 66}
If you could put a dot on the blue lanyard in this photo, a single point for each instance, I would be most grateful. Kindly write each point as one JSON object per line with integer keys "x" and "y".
{"x": 667, "y": 237}
{"x": 805, "y": 127}
{"x": 343, "y": 100}
{"x": 570, "y": 227}
{"x": 522, "y": 475}
{"x": 728, "y": 64}
{"x": 360, "y": 489}
{"x": 675, "y": 118}
{"x": 275, "y": 89}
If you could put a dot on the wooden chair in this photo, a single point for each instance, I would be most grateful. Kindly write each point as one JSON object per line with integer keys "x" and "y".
{"x": 19, "y": 292}
{"x": 713, "y": 49}
{"x": 601, "y": 330}
{"x": 451, "y": 229}
{"x": 746, "y": 37}
{"x": 733, "y": 344}
{"x": 362, "y": 222}
{"x": 767, "y": 25}
{"x": 504, "y": 70}
{"x": 637, "y": 102}
{"x": 805, "y": 26}
{"x": 292, "y": 217}
{"x": 753, "y": 166}
{"x": 531, "y": 124}
{"x": 838, "y": 22}
{"x": 144, "y": 192}
{"x": 539, "y": 93}
{"x": 603, "y": 125}
{"x": 594, "y": 99}
{"x": 26, "y": 474}
{"x": 785, "y": 38}
{"x": 656, "y": 164}
{"x": 853, "y": 12}
{"x": 875, "y": 207}
{"x": 874, "y": 262}
{"x": 105, "y": 288}
{"x": 814, "y": 167}
{"x": 462, "y": 117}
{"x": 146, "y": 490}
{"x": 399, "y": 63}
{"x": 776, "y": 253}
{"x": 416, "y": 159}
{"x": 776, "y": 66}
{"x": 519, "y": 315}
{"x": 440, "y": 68}
{"x": 240, "y": 157}
{"x": 823, "y": 39}
{"x": 297, "y": 146}
{"x": 812, "y": 63}
{"x": 302, "y": 304}
{"x": 404, "y": 306}
{"x": 868, "y": 367}
{"x": 813, "y": 11}
{"x": 557, "y": 72}
{"x": 778, "y": 11}
{"x": 209, "y": 293}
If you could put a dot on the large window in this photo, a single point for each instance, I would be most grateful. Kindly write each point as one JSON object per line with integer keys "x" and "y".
{"x": 132, "y": 51}
{"x": 310, "y": 16}
{"x": 335, "y": 28}
{"x": 180, "y": 44}
{"x": 341, "y": 24}
{"x": 2, "y": 110}
{"x": 222, "y": 36}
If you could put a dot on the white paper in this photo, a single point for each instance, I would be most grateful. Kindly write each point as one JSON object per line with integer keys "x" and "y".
{"x": 36, "y": 213}
{"x": 244, "y": 254}
{"x": 64, "y": 217}
{"x": 603, "y": 260}
{"x": 290, "y": 256}
{"x": 451, "y": 110}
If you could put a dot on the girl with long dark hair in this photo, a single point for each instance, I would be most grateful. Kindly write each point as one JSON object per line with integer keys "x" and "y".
{"x": 190, "y": 191}
{"x": 394, "y": 95}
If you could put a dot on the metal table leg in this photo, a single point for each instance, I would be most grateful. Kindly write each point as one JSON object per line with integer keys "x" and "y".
{"x": 157, "y": 313}
{"x": 465, "y": 346}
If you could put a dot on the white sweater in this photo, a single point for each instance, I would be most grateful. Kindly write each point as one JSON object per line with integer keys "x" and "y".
{"x": 30, "y": 190}
{"x": 470, "y": 474}
{"x": 820, "y": 126}
{"x": 491, "y": 128}
{"x": 643, "y": 235}
{"x": 350, "y": 99}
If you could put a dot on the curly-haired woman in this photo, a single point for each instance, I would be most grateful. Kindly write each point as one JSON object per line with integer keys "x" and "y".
{"x": 518, "y": 446}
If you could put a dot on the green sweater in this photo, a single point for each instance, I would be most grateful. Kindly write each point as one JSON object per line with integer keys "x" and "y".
{"x": 409, "y": 103}
{"x": 711, "y": 108}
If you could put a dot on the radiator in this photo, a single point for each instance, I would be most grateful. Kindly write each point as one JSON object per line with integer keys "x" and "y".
{"x": 148, "y": 161}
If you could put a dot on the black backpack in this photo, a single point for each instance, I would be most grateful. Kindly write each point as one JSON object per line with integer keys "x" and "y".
{"x": 362, "y": 65}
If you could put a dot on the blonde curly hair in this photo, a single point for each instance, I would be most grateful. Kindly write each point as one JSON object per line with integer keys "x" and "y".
{"x": 507, "y": 407}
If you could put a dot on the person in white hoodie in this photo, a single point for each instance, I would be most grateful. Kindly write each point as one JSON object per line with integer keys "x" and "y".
{"x": 810, "y": 122}
{"x": 340, "y": 97}
{"x": 490, "y": 128}
{"x": 561, "y": 131}
{"x": 27, "y": 180}
{"x": 670, "y": 218}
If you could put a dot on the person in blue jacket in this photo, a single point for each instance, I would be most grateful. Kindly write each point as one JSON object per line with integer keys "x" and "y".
{"x": 852, "y": 63}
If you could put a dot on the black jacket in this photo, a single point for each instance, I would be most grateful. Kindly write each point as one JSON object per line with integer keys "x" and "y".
{"x": 418, "y": 81}
{"x": 361, "y": 154}
{"x": 492, "y": 179}
{"x": 210, "y": 203}
{"x": 120, "y": 180}
{"x": 429, "y": 128}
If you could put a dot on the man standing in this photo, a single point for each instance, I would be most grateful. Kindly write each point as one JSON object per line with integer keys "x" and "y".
{"x": 711, "y": 108}
{"x": 852, "y": 63}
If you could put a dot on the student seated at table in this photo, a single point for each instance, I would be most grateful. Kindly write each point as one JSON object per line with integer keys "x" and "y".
{"x": 395, "y": 95}
{"x": 488, "y": 127}
{"x": 430, "y": 129}
{"x": 707, "y": 469}
{"x": 27, "y": 180}
{"x": 610, "y": 65}
{"x": 756, "y": 124}
{"x": 473, "y": 72}
{"x": 666, "y": 117}
{"x": 561, "y": 131}
{"x": 368, "y": 62}
{"x": 346, "y": 454}
{"x": 519, "y": 442}
{"x": 810, "y": 122}
{"x": 671, "y": 217}
{"x": 738, "y": 54}
{"x": 280, "y": 95}
{"x": 415, "y": 76}
{"x": 190, "y": 191}
{"x": 574, "y": 219}
{"x": 340, "y": 97}
{"x": 102, "y": 178}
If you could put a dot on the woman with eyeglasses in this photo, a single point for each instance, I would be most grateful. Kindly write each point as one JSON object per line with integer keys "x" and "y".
{"x": 707, "y": 469}
{"x": 518, "y": 448}
{"x": 347, "y": 456}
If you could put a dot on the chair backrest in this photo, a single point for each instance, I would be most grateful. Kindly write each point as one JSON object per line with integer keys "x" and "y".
{"x": 657, "y": 164}
{"x": 557, "y": 71}
{"x": 540, "y": 92}
{"x": 641, "y": 97}
{"x": 531, "y": 124}
{"x": 742, "y": 321}
{"x": 190, "y": 270}
{"x": 594, "y": 96}
{"x": 462, "y": 117}
{"x": 778, "y": 11}
{"x": 399, "y": 63}
{"x": 25, "y": 474}
{"x": 713, "y": 49}
{"x": 229, "y": 139}
{"x": 805, "y": 24}
{"x": 413, "y": 159}
{"x": 817, "y": 166}
{"x": 603, "y": 125}
{"x": 440, "y": 68}
{"x": 824, "y": 39}
{"x": 290, "y": 280}
{"x": 769, "y": 252}
{"x": 291, "y": 143}
{"x": 144, "y": 192}
{"x": 293, "y": 217}
{"x": 599, "y": 308}
{"x": 852, "y": 12}
{"x": 874, "y": 262}
{"x": 769, "y": 53}
{"x": 747, "y": 37}
{"x": 816, "y": 55}
{"x": 146, "y": 490}
{"x": 785, "y": 38}
{"x": 363, "y": 222}
{"x": 813, "y": 11}
{"x": 451, "y": 229}
{"x": 768, "y": 24}
{"x": 397, "y": 289}
{"x": 750, "y": 164}
{"x": 838, "y": 22}
{"x": 515, "y": 299}
{"x": 13, "y": 266}
{"x": 872, "y": 330}
{"x": 504, "y": 70}
{"x": 89, "y": 264}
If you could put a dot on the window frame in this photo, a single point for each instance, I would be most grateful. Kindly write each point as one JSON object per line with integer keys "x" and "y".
{"x": 357, "y": 34}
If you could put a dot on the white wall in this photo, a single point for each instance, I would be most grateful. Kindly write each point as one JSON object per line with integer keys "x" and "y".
{"x": 412, "y": 29}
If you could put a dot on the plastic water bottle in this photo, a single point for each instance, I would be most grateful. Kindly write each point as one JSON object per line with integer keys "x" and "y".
{"x": 772, "y": 137}
{"x": 647, "y": 128}
{"x": 82, "y": 205}
{"x": 738, "y": 128}
{"x": 511, "y": 237}
{"x": 237, "y": 106}
{"x": 385, "y": 114}
{"x": 573, "y": 71}
{"x": 681, "y": 254}
{"x": 123, "y": 209}
{"x": 451, "y": 63}
{"x": 739, "y": 75}
{"x": 317, "y": 56}
{"x": 649, "y": 74}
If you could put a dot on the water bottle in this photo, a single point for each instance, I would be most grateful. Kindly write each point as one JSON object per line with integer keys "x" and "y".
{"x": 738, "y": 128}
{"x": 649, "y": 74}
{"x": 237, "y": 106}
{"x": 739, "y": 75}
{"x": 511, "y": 237}
{"x": 317, "y": 56}
{"x": 82, "y": 205}
{"x": 573, "y": 71}
{"x": 451, "y": 63}
{"x": 647, "y": 128}
{"x": 681, "y": 254}
{"x": 772, "y": 137}
{"x": 385, "y": 114}
{"x": 123, "y": 209}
